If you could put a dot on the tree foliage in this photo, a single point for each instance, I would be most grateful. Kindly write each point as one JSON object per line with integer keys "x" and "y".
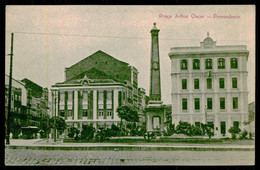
{"x": 128, "y": 113}
{"x": 73, "y": 133}
{"x": 234, "y": 130}
{"x": 243, "y": 135}
{"x": 87, "y": 132}
{"x": 60, "y": 124}
{"x": 208, "y": 129}
{"x": 184, "y": 128}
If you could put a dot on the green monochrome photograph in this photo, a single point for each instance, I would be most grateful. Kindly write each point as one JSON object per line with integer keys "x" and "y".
{"x": 117, "y": 85}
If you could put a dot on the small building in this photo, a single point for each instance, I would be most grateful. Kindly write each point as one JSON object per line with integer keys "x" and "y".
{"x": 209, "y": 84}
{"x": 93, "y": 89}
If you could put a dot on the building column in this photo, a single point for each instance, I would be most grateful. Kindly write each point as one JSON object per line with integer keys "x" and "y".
{"x": 94, "y": 104}
{"x": 242, "y": 121}
{"x": 217, "y": 132}
{"x": 75, "y": 105}
{"x": 229, "y": 124}
{"x": 115, "y": 104}
{"x": 191, "y": 118}
{"x": 56, "y": 102}
{"x": 80, "y": 126}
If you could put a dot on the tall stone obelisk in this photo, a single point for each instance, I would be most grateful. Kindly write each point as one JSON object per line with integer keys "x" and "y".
{"x": 155, "y": 81}
{"x": 155, "y": 109}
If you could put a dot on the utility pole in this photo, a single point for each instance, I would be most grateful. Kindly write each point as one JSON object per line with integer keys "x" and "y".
{"x": 10, "y": 92}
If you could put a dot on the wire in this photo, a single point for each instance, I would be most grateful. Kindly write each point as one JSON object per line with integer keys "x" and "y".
{"x": 96, "y": 36}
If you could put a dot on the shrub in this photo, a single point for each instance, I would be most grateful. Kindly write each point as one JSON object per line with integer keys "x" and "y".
{"x": 101, "y": 136}
{"x": 196, "y": 131}
{"x": 73, "y": 133}
{"x": 243, "y": 135}
{"x": 234, "y": 131}
{"x": 208, "y": 129}
{"x": 170, "y": 130}
{"x": 141, "y": 130}
{"x": 184, "y": 128}
{"x": 87, "y": 132}
{"x": 250, "y": 135}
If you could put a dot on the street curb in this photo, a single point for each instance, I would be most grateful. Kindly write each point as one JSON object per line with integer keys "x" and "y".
{"x": 127, "y": 148}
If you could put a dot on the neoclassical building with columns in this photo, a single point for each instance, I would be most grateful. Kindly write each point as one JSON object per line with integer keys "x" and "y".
{"x": 94, "y": 88}
{"x": 209, "y": 84}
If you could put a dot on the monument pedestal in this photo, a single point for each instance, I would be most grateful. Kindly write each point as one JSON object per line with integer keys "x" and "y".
{"x": 155, "y": 117}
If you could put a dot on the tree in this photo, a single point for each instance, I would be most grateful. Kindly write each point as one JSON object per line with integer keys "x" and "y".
{"x": 208, "y": 128}
{"x": 15, "y": 127}
{"x": 44, "y": 126}
{"x": 127, "y": 113}
{"x": 60, "y": 124}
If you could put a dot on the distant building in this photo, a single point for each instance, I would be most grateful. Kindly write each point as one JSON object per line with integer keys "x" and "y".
{"x": 209, "y": 84}
{"x": 18, "y": 100}
{"x": 94, "y": 88}
{"x": 28, "y": 106}
{"x": 37, "y": 101}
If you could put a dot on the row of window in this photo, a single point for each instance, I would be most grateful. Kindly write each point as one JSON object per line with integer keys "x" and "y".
{"x": 101, "y": 112}
{"x": 85, "y": 113}
{"x": 222, "y": 103}
{"x": 208, "y": 63}
{"x": 15, "y": 97}
{"x": 222, "y": 126}
{"x": 209, "y": 83}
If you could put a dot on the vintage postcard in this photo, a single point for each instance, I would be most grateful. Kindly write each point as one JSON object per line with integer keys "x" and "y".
{"x": 130, "y": 85}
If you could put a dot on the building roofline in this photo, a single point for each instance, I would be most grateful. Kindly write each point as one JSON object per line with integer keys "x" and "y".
{"x": 93, "y": 54}
{"x": 18, "y": 81}
{"x": 171, "y": 54}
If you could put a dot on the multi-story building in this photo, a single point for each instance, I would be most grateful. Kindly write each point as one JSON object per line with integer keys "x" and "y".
{"x": 27, "y": 108}
{"x": 37, "y": 102}
{"x": 94, "y": 88}
{"x": 18, "y": 99}
{"x": 209, "y": 84}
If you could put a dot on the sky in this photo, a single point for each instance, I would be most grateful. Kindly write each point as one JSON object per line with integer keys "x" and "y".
{"x": 49, "y": 38}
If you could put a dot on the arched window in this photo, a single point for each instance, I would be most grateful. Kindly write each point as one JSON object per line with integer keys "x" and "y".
{"x": 221, "y": 63}
{"x": 233, "y": 62}
{"x": 208, "y": 63}
{"x": 196, "y": 64}
{"x": 184, "y": 65}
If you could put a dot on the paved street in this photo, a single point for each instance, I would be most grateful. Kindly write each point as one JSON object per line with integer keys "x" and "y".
{"x": 58, "y": 157}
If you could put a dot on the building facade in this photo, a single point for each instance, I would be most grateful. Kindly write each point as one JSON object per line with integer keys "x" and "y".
{"x": 93, "y": 89}
{"x": 209, "y": 84}
{"x": 37, "y": 102}
{"x": 18, "y": 96}
{"x": 27, "y": 109}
